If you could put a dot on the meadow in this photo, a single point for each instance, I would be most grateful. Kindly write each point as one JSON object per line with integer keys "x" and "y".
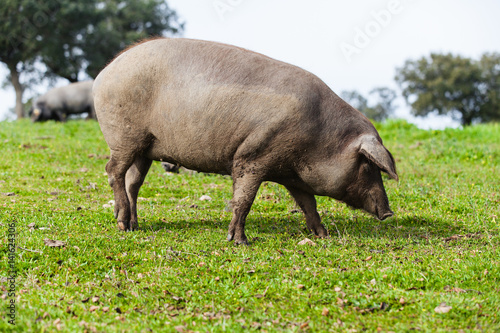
{"x": 433, "y": 267}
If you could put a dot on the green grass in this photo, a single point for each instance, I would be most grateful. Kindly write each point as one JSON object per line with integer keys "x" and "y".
{"x": 177, "y": 273}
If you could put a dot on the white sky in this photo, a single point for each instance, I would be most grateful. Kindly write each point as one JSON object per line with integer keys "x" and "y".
{"x": 311, "y": 34}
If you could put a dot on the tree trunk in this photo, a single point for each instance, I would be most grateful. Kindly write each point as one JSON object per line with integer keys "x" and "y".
{"x": 14, "y": 74}
{"x": 467, "y": 116}
{"x": 466, "y": 120}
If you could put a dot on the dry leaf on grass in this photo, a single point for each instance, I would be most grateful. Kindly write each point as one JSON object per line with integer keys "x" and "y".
{"x": 53, "y": 243}
{"x": 442, "y": 308}
{"x": 456, "y": 237}
{"x": 110, "y": 204}
{"x": 205, "y": 198}
{"x": 307, "y": 241}
{"x": 454, "y": 289}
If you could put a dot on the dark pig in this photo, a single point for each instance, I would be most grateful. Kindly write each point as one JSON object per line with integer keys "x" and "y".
{"x": 169, "y": 167}
{"x": 58, "y": 103}
{"x": 218, "y": 108}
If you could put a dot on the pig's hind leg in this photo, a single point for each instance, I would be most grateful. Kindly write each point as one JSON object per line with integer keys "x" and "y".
{"x": 307, "y": 202}
{"x": 133, "y": 181}
{"x": 116, "y": 168}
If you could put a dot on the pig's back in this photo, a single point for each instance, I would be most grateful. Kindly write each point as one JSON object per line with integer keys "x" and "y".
{"x": 201, "y": 101}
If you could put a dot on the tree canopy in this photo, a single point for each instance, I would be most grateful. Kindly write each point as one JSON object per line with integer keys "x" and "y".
{"x": 21, "y": 23}
{"x": 466, "y": 89}
{"x": 381, "y": 110}
{"x": 75, "y": 39}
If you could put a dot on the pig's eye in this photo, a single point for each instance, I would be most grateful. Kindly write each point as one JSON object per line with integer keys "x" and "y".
{"x": 366, "y": 167}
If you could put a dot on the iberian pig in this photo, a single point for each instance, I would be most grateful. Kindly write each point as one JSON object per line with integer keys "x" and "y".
{"x": 218, "y": 108}
{"x": 58, "y": 103}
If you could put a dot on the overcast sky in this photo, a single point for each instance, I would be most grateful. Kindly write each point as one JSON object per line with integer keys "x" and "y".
{"x": 349, "y": 44}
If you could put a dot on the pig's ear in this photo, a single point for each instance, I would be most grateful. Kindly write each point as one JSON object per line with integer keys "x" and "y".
{"x": 378, "y": 154}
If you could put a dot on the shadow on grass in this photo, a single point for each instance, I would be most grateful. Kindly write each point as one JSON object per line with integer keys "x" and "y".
{"x": 293, "y": 225}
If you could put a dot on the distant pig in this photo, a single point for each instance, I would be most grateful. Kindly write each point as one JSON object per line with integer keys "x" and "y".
{"x": 218, "y": 108}
{"x": 169, "y": 167}
{"x": 58, "y": 103}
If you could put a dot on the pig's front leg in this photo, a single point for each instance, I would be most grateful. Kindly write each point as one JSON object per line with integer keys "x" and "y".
{"x": 307, "y": 202}
{"x": 245, "y": 187}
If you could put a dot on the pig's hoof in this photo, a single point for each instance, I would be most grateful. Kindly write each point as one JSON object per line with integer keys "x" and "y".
{"x": 320, "y": 231}
{"x": 241, "y": 242}
{"x": 122, "y": 225}
{"x": 134, "y": 225}
{"x": 237, "y": 240}
{"x": 323, "y": 235}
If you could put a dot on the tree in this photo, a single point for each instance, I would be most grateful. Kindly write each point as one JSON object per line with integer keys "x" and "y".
{"x": 74, "y": 38}
{"x": 355, "y": 99}
{"x": 383, "y": 108}
{"x": 490, "y": 68}
{"x": 21, "y": 22}
{"x": 103, "y": 29}
{"x": 449, "y": 84}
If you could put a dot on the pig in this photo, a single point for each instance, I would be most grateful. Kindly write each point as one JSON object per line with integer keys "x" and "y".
{"x": 218, "y": 108}
{"x": 58, "y": 103}
{"x": 169, "y": 167}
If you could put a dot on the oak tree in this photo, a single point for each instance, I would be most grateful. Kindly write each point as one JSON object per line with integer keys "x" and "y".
{"x": 464, "y": 88}
{"x": 383, "y": 107}
{"x": 74, "y": 39}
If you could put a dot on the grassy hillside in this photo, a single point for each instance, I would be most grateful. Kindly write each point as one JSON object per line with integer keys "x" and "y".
{"x": 435, "y": 266}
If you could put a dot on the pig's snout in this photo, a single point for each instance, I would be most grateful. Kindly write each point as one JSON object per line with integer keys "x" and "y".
{"x": 385, "y": 215}
{"x": 378, "y": 205}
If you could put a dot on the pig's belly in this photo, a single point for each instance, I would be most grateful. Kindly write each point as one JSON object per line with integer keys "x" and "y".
{"x": 205, "y": 131}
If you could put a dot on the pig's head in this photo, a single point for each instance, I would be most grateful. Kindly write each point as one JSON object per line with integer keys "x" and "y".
{"x": 365, "y": 189}
{"x": 37, "y": 112}
{"x": 40, "y": 112}
{"x": 353, "y": 176}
